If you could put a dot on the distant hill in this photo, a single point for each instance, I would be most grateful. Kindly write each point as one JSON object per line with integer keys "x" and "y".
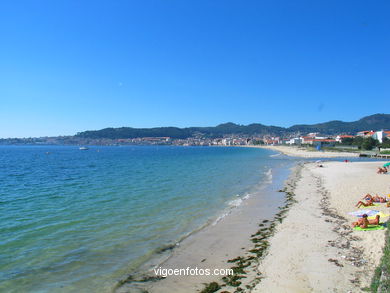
{"x": 174, "y": 132}
{"x": 373, "y": 122}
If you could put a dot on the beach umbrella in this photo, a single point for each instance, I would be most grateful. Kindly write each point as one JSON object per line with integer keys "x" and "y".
{"x": 387, "y": 164}
{"x": 360, "y": 213}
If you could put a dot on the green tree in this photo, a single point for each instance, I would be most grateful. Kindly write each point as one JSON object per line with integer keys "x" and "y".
{"x": 358, "y": 140}
{"x": 258, "y": 142}
{"x": 385, "y": 143}
{"x": 347, "y": 140}
{"x": 369, "y": 143}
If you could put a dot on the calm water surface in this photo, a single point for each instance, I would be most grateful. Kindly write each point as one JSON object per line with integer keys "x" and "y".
{"x": 75, "y": 221}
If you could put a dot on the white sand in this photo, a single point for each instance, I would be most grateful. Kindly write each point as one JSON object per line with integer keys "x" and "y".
{"x": 314, "y": 250}
{"x": 303, "y": 152}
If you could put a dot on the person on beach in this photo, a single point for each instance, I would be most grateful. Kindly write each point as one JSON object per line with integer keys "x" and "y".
{"x": 374, "y": 221}
{"x": 382, "y": 170}
{"x": 361, "y": 222}
{"x": 367, "y": 197}
{"x": 365, "y": 204}
{"x": 375, "y": 198}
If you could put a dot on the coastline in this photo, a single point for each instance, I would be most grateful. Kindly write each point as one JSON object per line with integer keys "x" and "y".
{"x": 323, "y": 253}
{"x": 217, "y": 244}
{"x": 301, "y": 152}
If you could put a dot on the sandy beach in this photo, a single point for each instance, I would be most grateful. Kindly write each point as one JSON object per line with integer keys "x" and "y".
{"x": 315, "y": 249}
{"x": 213, "y": 246}
{"x": 295, "y": 151}
{"x": 309, "y": 246}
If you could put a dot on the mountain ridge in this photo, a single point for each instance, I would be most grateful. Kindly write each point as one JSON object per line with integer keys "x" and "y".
{"x": 371, "y": 122}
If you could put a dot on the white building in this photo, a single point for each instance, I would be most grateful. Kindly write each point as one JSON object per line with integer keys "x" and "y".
{"x": 295, "y": 140}
{"x": 380, "y": 135}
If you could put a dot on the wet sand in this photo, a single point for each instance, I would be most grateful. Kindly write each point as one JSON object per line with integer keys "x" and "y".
{"x": 213, "y": 246}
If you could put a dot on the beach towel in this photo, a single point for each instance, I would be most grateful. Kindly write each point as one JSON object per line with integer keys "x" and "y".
{"x": 374, "y": 205}
{"x": 370, "y": 228}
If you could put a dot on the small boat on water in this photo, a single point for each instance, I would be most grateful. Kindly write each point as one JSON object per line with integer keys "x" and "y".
{"x": 83, "y": 148}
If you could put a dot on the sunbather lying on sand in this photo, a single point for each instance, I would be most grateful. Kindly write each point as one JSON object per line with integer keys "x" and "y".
{"x": 381, "y": 170}
{"x": 374, "y": 221}
{"x": 365, "y": 204}
{"x": 375, "y": 198}
{"x": 361, "y": 222}
{"x": 364, "y": 222}
{"x": 367, "y": 197}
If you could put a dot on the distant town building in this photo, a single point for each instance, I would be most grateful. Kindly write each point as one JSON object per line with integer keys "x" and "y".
{"x": 380, "y": 135}
{"x": 294, "y": 140}
{"x": 339, "y": 138}
{"x": 365, "y": 133}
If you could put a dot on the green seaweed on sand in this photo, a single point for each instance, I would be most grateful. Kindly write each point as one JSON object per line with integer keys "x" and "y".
{"x": 260, "y": 239}
{"x": 239, "y": 258}
{"x": 211, "y": 287}
{"x": 233, "y": 280}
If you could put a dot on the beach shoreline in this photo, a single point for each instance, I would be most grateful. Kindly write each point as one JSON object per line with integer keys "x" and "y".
{"x": 323, "y": 253}
{"x": 217, "y": 244}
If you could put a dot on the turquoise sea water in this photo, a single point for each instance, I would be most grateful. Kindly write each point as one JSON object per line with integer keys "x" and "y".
{"x": 74, "y": 221}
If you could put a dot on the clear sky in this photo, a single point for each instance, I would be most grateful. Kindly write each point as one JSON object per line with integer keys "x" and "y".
{"x": 68, "y": 65}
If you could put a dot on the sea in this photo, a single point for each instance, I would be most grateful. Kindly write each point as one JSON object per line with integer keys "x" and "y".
{"x": 76, "y": 220}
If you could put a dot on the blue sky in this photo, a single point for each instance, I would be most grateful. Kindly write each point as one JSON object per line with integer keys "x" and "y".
{"x": 69, "y": 66}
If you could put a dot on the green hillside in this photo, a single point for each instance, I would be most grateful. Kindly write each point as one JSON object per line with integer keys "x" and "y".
{"x": 373, "y": 122}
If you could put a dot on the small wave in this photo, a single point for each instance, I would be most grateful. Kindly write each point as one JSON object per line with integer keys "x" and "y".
{"x": 275, "y": 155}
{"x": 246, "y": 196}
{"x": 235, "y": 202}
{"x": 221, "y": 217}
{"x": 268, "y": 175}
{"x": 232, "y": 204}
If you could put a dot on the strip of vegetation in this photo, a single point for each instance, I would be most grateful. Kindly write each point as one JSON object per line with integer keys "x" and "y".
{"x": 344, "y": 150}
{"x": 381, "y": 280}
{"x": 366, "y": 143}
{"x": 311, "y": 148}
